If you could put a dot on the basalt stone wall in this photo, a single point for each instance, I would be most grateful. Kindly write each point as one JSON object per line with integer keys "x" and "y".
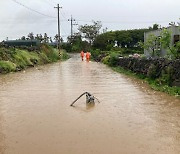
{"x": 165, "y": 71}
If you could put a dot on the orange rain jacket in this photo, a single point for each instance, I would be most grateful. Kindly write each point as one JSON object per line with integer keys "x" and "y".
{"x": 82, "y": 53}
{"x": 88, "y": 55}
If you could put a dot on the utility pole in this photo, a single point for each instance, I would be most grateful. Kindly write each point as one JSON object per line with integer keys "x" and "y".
{"x": 72, "y": 24}
{"x": 59, "y": 34}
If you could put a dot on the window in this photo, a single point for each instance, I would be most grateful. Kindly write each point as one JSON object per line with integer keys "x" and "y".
{"x": 176, "y": 38}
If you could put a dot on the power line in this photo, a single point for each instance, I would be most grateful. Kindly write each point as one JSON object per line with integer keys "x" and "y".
{"x": 66, "y": 20}
{"x": 125, "y": 22}
{"x": 63, "y": 15}
{"x": 54, "y": 2}
{"x": 135, "y": 22}
{"x": 64, "y": 31}
{"x": 49, "y": 3}
{"x": 32, "y": 9}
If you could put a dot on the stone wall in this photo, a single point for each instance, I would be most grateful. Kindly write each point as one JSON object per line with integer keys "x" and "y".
{"x": 161, "y": 69}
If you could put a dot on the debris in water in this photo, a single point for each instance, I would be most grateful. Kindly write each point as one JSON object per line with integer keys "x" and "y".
{"x": 89, "y": 98}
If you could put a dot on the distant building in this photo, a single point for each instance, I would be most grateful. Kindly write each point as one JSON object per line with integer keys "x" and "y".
{"x": 28, "y": 43}
{"x": 175, "y": 37}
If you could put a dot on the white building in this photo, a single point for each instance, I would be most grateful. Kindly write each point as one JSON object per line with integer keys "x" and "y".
{"x": 175, "y": 37}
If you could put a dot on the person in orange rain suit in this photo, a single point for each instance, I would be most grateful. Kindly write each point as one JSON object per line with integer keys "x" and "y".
{"x": 88, "y": 55}
{"x": 82, "y": 55}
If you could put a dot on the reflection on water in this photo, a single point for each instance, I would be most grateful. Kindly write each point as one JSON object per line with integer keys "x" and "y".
{"x": 86, "y": 107}
{"x": 90, "y": 106}
{"x": 35, "y": 116}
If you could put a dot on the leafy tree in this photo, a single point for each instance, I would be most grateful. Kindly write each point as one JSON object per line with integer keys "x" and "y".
{"x": 50, "y": 39}
{"x": 56, "y": 38}
{"x": 23, "y": 38}
{"x": 31, "y": 36}
{"x": 151, "y": 44}
{"x": 75, "y": 38}
{"x": 123, "y": 38}
{"x": 46, "y": 38}
{"x": 177, "y": 50}
{"x": 90, "y": 32}
{"x": 104, "y": 41}
{"x": 39, "y": 37}
{"x": 77, "y": 43}
{"x": 137, "y": 35}
{"x": 166, "y": 43}
{"x": 154, "y": 27}
{"x": 165, "y": 38}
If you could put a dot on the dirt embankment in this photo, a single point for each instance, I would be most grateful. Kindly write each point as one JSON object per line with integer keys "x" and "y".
{"x": 17, "y": 59}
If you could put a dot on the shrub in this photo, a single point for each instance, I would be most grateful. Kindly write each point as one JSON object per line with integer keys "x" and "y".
{"x": 166, "y": 76}
{"x": 95, "y": 53}
{"x": 51, "y": 53}
{"x": 152, "y": 71}
{"x": 64, "y": 55}
{"x": 13, "y": 59}
{"x": 23, "y": 58}
{"x": 7, "y": 66}
{"x": 43, "y": 58}
{"x": 113, "y": 60}
{"x": 105, "y": 60}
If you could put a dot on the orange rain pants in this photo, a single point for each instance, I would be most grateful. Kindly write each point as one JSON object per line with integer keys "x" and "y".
{"x": 88, "y": 56}
{"x": 82, "y": 55}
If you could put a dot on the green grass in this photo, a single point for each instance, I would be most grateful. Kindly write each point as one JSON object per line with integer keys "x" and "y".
{"x": 24, "y": 58}
{"x": 160, "y": 84}
{"x": 7, "y": 66}
{"x": 18, "y": 59}
{"x": 64, "y": 55}
{"x": 175, "y": 91}
{"x": 53, "y": 56}
{"x": 43, "y": 58}
{"x": 51, "y": 53}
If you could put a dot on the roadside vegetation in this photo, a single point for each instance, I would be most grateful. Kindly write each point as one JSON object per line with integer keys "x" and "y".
{"x": 154, "y": 84}
{"x": 160, "y": 74}
{"x": 16, "y": 59}
{"x": 123, "y": 51}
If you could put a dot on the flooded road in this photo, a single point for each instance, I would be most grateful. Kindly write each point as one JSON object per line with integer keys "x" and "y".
{"x": 35, "y": 116}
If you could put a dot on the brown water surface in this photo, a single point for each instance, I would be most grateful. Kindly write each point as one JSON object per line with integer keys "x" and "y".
{"x": 35, "y": 116}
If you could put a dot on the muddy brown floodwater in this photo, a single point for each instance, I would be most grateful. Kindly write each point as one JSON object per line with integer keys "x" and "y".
{"x": 35, "y": 116}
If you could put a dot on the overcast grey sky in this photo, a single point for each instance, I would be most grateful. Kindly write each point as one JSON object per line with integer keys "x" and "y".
{"x": 16, "y": 20}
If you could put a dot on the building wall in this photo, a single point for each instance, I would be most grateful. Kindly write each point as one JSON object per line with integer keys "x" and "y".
{"x": 22, "y": 43}
{"x": 175, "y": 30}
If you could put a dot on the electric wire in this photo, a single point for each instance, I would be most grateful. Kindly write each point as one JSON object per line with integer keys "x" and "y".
{"x": 53, "y": 2}
{"x": 66, "y": 20}
{"x": 48, "y": 3}
{"x": 33, "y": 9}
{"x": 79, "y": 20}
{"x": 63, "y": 15}
{"x": 124, "y": 22}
